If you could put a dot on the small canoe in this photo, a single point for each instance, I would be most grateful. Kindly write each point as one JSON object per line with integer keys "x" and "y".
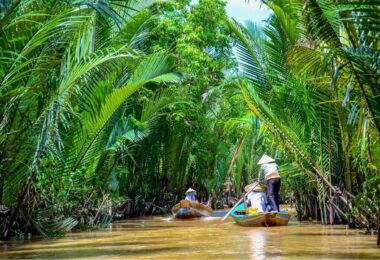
{"x": 261, "y": 219}
{"x": 188, "y": 209}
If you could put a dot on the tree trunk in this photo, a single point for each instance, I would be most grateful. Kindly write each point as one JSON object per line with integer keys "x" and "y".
{"x": 378, "y": 225}
{"x": 1, "y": 187}
{"x": 348, "y": 173}
{"x": 8, "y": 228}
{"x": 331, "y": 215}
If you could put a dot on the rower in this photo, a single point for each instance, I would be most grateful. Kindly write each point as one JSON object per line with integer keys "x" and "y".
{"x": 190, "y": 195}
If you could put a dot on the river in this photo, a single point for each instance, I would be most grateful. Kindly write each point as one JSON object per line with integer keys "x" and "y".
{"x": 164, "y": 238}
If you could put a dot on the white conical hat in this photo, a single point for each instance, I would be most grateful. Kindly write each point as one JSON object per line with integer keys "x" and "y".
{"x": 190, "y": 190}
{"x": 265, "y": 159}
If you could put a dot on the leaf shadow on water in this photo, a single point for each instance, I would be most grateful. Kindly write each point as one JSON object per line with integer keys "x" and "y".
{"x": 92, "y": 244}
{"x": 67, "y": 242}
{"x": 93, "y": 252}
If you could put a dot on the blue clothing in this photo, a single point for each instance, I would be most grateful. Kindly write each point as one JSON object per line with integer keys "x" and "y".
{"x": 273, "y": 189}
{"x": 190, "y": 197}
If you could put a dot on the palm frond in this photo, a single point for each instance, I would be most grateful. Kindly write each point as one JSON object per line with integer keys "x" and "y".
{"x": 152, "y": 69}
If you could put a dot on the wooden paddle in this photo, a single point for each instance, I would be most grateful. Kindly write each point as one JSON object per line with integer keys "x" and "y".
{"x": 237, "y": 203}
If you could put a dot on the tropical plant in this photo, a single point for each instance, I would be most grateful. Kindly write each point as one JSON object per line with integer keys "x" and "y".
{"x": 308, "y": 89}
{"x": 67, "y": 71}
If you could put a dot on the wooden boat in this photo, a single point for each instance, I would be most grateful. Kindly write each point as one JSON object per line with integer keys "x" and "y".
{"x": 261, "y": 219}
{"x": 188, "y": 209}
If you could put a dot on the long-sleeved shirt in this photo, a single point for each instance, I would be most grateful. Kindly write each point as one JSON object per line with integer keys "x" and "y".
{"x": 258, "y": 200}
{"x": 267, "y": 169}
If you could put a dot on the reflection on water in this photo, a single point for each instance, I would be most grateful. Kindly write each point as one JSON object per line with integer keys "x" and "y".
{"x": 258, "y": 241}
{"x": 158, "y": 237}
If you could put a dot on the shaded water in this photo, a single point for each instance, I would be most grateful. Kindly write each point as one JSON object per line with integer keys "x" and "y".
{"x": 159, "y": 237}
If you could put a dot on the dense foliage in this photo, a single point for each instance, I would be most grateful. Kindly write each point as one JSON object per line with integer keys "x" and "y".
{"x": 311, "y": 75}
{"x": 113, "y": 108}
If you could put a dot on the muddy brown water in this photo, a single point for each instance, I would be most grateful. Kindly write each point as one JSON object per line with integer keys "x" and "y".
{"x": 165, "y": 238}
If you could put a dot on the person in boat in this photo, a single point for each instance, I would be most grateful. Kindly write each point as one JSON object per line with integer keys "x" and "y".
{"x": 257, "y": 198}
{"x": 190, "y": 195}
{"x": 269, "y": 172}
{"x": 202, "y": 198}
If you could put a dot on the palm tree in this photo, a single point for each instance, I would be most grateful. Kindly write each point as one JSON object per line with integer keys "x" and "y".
{"x": 297, "y": 69}
{"x": 66, "y": 75}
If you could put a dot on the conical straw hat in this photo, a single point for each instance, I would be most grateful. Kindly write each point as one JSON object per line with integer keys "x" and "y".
{"x": 265, "y": 159}
{"x": 258, "y": 187}
{"x": 190, "y": 190}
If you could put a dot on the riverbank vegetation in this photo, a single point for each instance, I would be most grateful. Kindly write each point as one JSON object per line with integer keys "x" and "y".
{"x": 111, "y": 109}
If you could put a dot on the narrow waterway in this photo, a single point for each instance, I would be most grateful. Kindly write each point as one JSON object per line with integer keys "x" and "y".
{"x": 160, "y": 237}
